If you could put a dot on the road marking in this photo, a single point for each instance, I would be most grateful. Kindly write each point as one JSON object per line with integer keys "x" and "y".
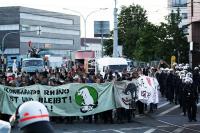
{"x": 167, "y": 111}
{"x": 179, "y": 126}
{"x": 136, "y": 128}
{"x": 188, "y": 125}
{"x": 71, "y": 132}
{"x": 150, "y": 130}
{"x": 162, "y": 105}
{"x": 163, "y": 126}
{"x": 139, "y": 116}
{"x": 197, "y": 106}
{"x": 89, "y": 131}
{"x": 117, "y": 131}
{"x": 178, "y": 130}
{"x": 124, "y": 129}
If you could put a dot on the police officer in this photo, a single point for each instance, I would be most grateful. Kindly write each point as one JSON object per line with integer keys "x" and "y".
{"x": 32, "y": 117}
{"x": 170, "y": 86}
{"x": 196, "y": 78}
{"x": 191, "y": 98}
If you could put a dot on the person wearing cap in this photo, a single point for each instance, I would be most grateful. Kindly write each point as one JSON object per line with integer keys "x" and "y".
{"x": 196, "y": 78}
{"x": 170, "y": 86}
{"x": 32, "y": 117}
{"x": 191, "y": 99}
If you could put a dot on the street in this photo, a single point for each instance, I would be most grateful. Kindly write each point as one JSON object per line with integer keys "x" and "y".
{"x": 167, "y": 119}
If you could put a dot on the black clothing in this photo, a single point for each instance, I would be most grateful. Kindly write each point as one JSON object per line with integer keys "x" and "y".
{"x": 191, "y": 99}
{"x": 38, "y": 127}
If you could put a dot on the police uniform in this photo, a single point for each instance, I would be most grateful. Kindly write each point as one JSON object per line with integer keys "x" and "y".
{"x": 191, "y": 99}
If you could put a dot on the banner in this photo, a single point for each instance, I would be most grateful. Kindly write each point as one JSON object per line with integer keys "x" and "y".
{"x": 66, "y": 100}
{"x": 76, "y": 99}
{"x": 148, "y": 89}
{"x": 125, "y": 94}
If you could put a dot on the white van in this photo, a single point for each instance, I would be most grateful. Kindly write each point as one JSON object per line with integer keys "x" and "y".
{"x": 111, "y": 63}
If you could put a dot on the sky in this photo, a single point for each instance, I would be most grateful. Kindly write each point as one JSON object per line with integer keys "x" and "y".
{"x": 156, "y": 9}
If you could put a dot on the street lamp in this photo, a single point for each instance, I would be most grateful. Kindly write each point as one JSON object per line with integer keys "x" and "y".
{"x": 2, "y": 47}
{"x": 85, "y": 20}
{"x": 115, "y": 33}
{"x": 7, "y": 34}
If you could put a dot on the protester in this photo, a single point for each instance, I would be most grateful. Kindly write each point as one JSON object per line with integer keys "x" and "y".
{"x": 171, "y": 86}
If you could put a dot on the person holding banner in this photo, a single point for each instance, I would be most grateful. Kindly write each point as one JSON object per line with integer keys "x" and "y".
{"x": 140, "y": 105}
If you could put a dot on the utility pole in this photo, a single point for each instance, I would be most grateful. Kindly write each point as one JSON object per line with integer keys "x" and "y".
{"x": 115, "y": 42}
{"x": 191, "y": 40}
{"x": 39, "y": 33}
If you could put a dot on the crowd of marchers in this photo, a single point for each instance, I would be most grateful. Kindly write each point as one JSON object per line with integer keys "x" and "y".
{"x": 179, "y": 85}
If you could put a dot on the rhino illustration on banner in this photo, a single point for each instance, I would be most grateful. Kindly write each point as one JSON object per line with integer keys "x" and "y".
{"x": 131, "y": 89}
{"x": 87, "y": 98}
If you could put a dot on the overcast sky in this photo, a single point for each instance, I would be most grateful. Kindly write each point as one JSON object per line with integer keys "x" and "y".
{"x": 156, "y": 9}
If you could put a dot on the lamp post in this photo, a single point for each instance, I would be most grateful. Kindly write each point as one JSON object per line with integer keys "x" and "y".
{"x": 4, "y": 38}
{"x": 2, "y": 47}
{"x": 85, "y": 20}
{"x": 115, "y": 42}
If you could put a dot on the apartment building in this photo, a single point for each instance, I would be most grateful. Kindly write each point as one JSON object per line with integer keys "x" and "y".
{"x": 190, "y": 12}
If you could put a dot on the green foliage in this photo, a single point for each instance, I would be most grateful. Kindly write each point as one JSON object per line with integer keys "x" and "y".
{"x": 108, "y": 47}
{"x": 145, "y": 41}
{"x": 173, "y": 41}
{"x": 131, "y": 21}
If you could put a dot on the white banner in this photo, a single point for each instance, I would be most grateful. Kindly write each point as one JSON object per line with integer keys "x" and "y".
{"x": 148, "y": 89}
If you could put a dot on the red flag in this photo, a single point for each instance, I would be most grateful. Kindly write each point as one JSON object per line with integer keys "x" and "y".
{"x": 29, "y": 43}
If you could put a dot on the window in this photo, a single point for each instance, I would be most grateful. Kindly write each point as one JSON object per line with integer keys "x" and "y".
{"x": 47, "y": 40}
{"x": 119, "y": 68}
{"x": 179, "y": 3}
{"x": 9, "y": 27}
{"x": 25, "y": 28}
{"x": 46, "y": 18}
{"x": 49, "y": 30}
{"x": 28, "y": 63}
{"x": 184, "y": 16}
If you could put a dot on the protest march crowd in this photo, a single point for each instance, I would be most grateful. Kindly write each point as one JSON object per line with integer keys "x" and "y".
{"x": 178, "y": 84}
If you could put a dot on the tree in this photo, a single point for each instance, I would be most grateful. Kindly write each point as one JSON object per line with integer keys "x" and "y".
{"x": 131, "y": 21}
{"x": 147, "y": 44}
{"x": 145, "y": 41}
{"x": 173, "y": 41}
{"x": 108, "y": 47}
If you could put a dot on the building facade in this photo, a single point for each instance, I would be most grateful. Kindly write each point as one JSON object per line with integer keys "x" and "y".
{"x": 93, "y": 44}
{"x": 190, "y": 12}
{"x": 174, "y": 5}
{"x": 20, "y": 26}
{"x": 194, "y": 31}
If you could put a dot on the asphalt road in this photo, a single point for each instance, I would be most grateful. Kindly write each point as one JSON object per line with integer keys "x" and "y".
{"x": 167, "y": 119}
